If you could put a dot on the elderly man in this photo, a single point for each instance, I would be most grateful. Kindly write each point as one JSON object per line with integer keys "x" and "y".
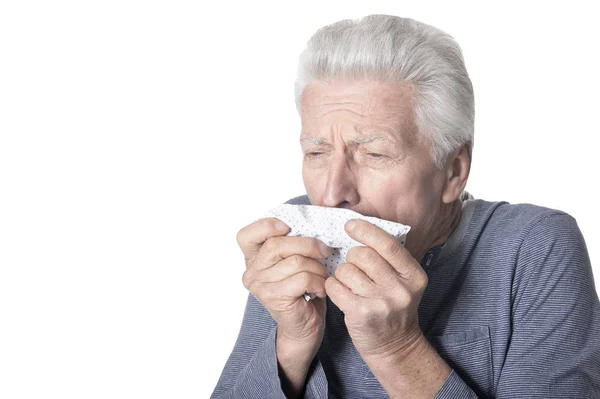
{"x": 487, "y": 299}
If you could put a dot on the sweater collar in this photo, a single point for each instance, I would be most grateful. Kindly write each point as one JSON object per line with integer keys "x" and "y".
{"x": 455, "y": 239}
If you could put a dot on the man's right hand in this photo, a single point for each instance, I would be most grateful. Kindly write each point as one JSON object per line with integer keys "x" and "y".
{"x": 279, "y": 270}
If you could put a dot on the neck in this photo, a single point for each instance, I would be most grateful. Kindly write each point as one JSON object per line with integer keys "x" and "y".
{"x": 449, "y": 218}
{"x": 453, "y": 212}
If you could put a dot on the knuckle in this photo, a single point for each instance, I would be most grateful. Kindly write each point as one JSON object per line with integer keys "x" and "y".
{"x": 386, "y": 309}
{"x": 266, "y": 296}
{"x": 381, "y": 310}
{"x": 314, "y": 247}
{"x": 297, "y": 261}
{"x": 393, "y": 248}
{"x": 342, "y": 271}
{"x": 367, "y": 255}
{"x": 330, "y": 284}
{"x": 240, "y": 237}
{"x": 362, "y": 254}
{"x": 304, "y": 279}
{"x": 422, "y": 280}
{"x": 309, "y": 243}
{"x": 307, "y": 277}
{"x": 355, "y": 253}
{"x": 272, "y": 245}
{"x": 246, "y": 279}
{"x": 250, "y": 281}
{"x": 404, "y": 300}
{"x": 244, "y": 234}
{"x": 366, "y": 235}
{"x": 365, "y": 312}
{"x": 333, "y": 284}
{"x": 351, "y": 254}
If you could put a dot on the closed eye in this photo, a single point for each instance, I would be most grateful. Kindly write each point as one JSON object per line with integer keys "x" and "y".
{"x": 375, "y": 155}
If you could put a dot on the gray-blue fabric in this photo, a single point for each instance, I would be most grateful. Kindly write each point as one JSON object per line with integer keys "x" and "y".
{"x": 511, "y": 306}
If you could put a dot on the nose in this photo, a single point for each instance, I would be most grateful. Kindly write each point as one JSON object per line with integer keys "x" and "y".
{"x": 340, "y": 190}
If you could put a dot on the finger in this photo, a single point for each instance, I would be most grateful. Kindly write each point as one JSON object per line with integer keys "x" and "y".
{"x": 252, "y": 237}
{"x": 284, "y": 269}
{"x": 296, "y": 285}
{"x": 372, "y": 264}
{"x": 355, "y": 279}
{"x": 341, "y": 295}
{"x": 385, "y": 244}
{"x": 276, "y": 249}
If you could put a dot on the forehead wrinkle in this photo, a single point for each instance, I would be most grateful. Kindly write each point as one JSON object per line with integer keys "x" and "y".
{"x": 355, "y": 140}
{"x": 325, "y": 111}
{"x": 360, "y": 103}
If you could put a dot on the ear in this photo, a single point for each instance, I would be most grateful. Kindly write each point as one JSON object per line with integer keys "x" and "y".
{"x": 458, "y": 167}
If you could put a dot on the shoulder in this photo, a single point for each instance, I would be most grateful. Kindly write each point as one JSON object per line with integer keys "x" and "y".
{"x": 496, "y": 233}
{"x": 533, "y": 237}
{"x": 522, "y": 221}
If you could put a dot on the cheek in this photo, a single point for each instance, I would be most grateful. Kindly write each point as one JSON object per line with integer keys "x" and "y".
{"x": 419, "y": 207}
{"x": 405, "y": 196}
{"x": 383, "y": 183}
{"x": 382, "y": 191}
{"x": 314, "y": 182}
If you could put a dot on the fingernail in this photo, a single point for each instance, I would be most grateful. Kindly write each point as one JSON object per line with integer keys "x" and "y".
{"x": 279, "y": 225}
{"x": 324, "y": 249}
{"x": 350, "y": 225}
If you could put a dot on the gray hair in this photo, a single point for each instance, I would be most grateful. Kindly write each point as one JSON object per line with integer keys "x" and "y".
{"x": 390, "y": 48}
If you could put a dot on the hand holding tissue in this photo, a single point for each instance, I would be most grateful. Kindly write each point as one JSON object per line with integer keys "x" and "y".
{"x": 326, "y": 224}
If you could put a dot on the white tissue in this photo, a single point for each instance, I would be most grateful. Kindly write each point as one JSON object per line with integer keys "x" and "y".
{"x": 327, "y": 225}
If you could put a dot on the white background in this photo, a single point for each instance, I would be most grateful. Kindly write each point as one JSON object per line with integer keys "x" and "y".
{"x": 137, "y": 138}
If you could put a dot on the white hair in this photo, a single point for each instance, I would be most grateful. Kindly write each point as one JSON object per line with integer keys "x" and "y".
{"x": 390, "y": 48}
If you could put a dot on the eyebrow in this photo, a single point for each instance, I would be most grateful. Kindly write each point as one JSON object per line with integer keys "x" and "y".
{"x": 313, "y": 140}
{"x": 368, "y": 139}
{"x": 358, "y": 140}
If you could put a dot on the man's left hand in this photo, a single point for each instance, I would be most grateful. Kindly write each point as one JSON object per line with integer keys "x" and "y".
{"x": 379, "y": 290}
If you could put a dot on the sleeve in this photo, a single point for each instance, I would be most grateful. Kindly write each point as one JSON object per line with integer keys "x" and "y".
{"x": 251, "y": 370}
{"x": 554, "y": 350}
{"x": 455, "y": 388}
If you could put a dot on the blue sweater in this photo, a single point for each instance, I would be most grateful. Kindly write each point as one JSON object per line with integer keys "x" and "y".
{"x": 511, "y": 306}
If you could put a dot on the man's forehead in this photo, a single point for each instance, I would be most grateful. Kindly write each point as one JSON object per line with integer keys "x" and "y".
{"x": 364, "y": 97}
{"x": 361, "y": 111}
{"x": 363, "y": 139}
